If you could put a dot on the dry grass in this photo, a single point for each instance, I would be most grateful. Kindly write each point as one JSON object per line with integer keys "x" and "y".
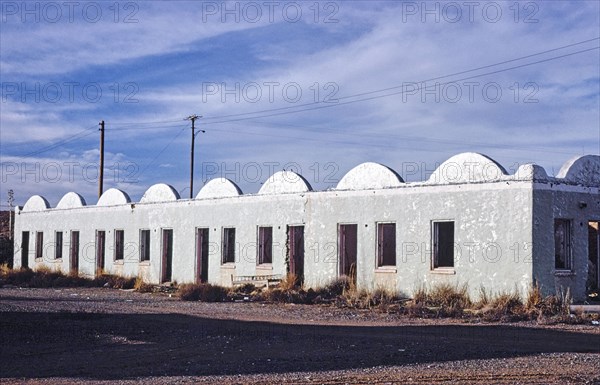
{"x": 290, "y": 282}
{"x": 552, "y": 308}
{"x": 4, "y": 268}
{"x": 142, "y": 287}
{"x": 381, "y": 299}
{"x": 204, "y": 292}
{"x": 44, "y": 277}
{"x": 504, "y": 307}
{"x": 441, "y": 300}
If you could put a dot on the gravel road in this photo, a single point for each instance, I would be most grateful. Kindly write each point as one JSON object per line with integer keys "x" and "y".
{"x": 58, "y": 336}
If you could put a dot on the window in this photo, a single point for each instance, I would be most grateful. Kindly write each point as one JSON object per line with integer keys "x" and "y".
{"x": 386, "y": 244}
{"x": 144, "y": 245}
{"x": 265, "y": 245}
{"x": 58, "y": 245}
{"x": 119, "y": 245}
{"x": 39, "y": 245}
{"x": 562, "y": 244}
{"x": 443, "y": 245}
{"x": 228, "y": 245}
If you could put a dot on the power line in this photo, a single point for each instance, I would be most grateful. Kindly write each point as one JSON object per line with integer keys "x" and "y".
{"x": 145, "y": 128}
{"x": 79, "y": 135}
{"x": 160, "y": 123}
{"x": 139, "y": 123}
{"x": 398, "y": 92}
{"x": 163, "y": 150}
{"x": 388, "y": 145}
{"x": 423, "y": 81}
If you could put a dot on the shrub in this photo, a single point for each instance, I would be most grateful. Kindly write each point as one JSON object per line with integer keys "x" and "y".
{"x": 380, "y": 298}
{"x": 141, "y": 286}
{"x": 451, "y": 300}
{"x": 335, "y": 288}
{"x": 442, "y": 300}
{"x": 505, "y": 307}
{"x": 17, "y": 277}
{"x": 557, "y": 306}
{"x": 43, "y": 277}
{"x": 204, "y": 292}
{"x": 247, "y": 288}
{"x": 289, "y": 282}
{"x": 115, "y": 281}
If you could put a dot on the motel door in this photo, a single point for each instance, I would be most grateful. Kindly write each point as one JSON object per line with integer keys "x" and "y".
{"x": 347, "y": 251}
{"x": 201, "y": 255}
{"x": 74, "y": 253}
{"x": 100, "y": 251}
{"x": 167, "y": 255}
{"x": 296, "y": 252}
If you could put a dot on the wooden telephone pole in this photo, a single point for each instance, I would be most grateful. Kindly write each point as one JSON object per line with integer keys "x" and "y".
{"x": 193, "y": 119}
{"x": 101, "y": 171}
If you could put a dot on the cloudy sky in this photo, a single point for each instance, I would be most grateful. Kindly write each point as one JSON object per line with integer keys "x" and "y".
{"x": 316, "y": 87}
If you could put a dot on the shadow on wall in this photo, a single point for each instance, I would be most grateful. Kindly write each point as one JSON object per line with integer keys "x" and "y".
{"x": 120, "y": 346}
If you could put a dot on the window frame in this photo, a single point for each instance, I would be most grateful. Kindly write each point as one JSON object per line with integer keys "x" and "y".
{"x": 435, "y": 255}
{"x": 567, "y": 247}
{"x": 39, "y": 245}
{"x": 264, "y": 251}
{"x": 145, "y": 242}
{"x": 380, "y": 261}
{"x": 58, "y": 244}
{"x": 228, "y": 250}
{"x": 119, "y": 248}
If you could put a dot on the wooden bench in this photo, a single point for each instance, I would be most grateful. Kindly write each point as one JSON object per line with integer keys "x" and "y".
{"x": 256, "y": 280}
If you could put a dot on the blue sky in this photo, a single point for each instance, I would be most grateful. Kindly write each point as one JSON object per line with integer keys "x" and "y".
{"x": 317, "y": 87}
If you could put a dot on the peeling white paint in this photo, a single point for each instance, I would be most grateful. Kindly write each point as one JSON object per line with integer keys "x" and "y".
{"x": 504, "y": 231}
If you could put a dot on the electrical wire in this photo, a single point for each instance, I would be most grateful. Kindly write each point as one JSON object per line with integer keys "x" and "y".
{"x": 393, "y": 136}
{"x": 207, "y": 119}
{"x": 79, "y": 135}
{"x": 161, "y": 151}
{"x": 422, "y": 81}
{"x": 399, "y": 92}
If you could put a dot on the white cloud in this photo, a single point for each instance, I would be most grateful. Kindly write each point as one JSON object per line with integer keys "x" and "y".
{"x": 371, "y": 48}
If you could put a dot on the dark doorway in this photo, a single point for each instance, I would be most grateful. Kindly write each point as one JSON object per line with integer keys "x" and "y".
{"x": 100, "y": 251}
{"x": 593, "y": 278}
{"x": 201, "y": 255}
{"x": 347, "y": 251}
{"x": 167, "y": 255}
{"x": 74, "y": 253}
{"x": 296, "y": 252}
{"x": 25, "y": 249}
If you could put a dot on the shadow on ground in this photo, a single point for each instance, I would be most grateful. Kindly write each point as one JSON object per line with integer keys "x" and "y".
{"x": 120, "y": 346}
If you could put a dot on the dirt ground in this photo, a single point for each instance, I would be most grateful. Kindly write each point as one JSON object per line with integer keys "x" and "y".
{"x": 60, "y": 336}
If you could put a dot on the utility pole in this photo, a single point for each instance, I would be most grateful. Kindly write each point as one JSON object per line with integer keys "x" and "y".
{"x": 193, "y": 119}
{"x": 101, "y": 171}
{"x": 11, "y": 199}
